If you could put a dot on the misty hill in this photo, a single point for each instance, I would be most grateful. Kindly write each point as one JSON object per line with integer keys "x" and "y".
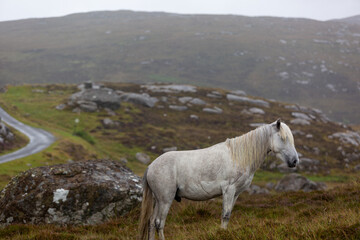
{"x": 296, "y": 60}
{"x": 350, "y": 20}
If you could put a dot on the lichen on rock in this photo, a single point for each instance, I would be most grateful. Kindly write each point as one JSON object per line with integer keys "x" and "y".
{"x": 80, "y": 193}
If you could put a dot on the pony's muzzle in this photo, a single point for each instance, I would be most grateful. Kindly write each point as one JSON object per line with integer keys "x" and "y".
{"x": 292, "y": 162}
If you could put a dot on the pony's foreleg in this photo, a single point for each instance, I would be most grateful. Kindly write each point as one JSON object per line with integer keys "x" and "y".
{"x": 229, "y": 199}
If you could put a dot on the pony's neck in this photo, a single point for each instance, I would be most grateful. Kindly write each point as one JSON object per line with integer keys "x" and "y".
{"x": 250, "y": 149}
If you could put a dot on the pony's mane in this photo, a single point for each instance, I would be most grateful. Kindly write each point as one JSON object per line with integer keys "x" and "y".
{"x": 285, "y": 133}
{"x": 250, "y": 149}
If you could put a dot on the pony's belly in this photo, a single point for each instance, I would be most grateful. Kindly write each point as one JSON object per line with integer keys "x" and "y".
{"x": 201, "y": 191}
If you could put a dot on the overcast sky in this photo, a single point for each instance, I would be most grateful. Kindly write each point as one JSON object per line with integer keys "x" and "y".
{"x": 315, "y": 9}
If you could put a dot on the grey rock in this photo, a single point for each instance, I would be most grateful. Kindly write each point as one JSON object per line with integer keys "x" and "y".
{"x": 110, "y": 112}
{"x": 164, "y": 99}
{"x": 142, "y": 99}
{"x": 348, "y": 137}
{"x": 108, "y": 123}
{"x": 215, "y": 110}
{"x": 246, "y": 100}
{"x": 214, "y": 94}
{"x": 88, "y": 85}
{"x": 270, "y": 185}
{"x": 197, "y": 101}
{"x": 255, "y": 125}
{"x": 61, "y": 106}
{"x": 255, "y": 189}
{"x": 193, "y": 116}
{"x": 38, "y": 91}
{"x": 170, "y": 88}
{"x": 169, "y": 149}
{"x": 292, "y": 107}
{"x": 184, "y": 100}
{"x": 3, "y": 89}
{"x": 299, "y": 121}
{"x": 308, "y": 164}
{"x": 6, "y": 135}
{"x": 296, "y": 182}
{"x": 76, "y": 110}
{"x": 301, "y": 116}
{"x": 255, "y": 110}
{"x": 79, "y": 193}
{"x": 87, "y": 106}
{"x": 238, "y": 92}
{"x": 357, "y": 167}
{"x": 309, "y": 135}
{"x": 178, "y": 108}
{"x": 143, "y": 158}
{"x": 103, "y": 97}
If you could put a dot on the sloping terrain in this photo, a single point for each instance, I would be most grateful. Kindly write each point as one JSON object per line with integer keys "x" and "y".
{"x": 295, "y": 60}
{"x": 189, "y": 117}
{"x": 185, "y": 117}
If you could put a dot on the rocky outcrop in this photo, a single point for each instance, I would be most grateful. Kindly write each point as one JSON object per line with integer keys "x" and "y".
{"x": 142, "y": 99}
{"x": 246, "y": 100}
{"x": 296, "y": 182}
{"x": 80, "y": 193}
{"x": 102, "y": 97}
{"x": 170, "y": 88}
{"x": 348, "y": 137}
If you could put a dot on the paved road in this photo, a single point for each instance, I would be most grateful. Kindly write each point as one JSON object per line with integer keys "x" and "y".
{"x": 39, "y": 139}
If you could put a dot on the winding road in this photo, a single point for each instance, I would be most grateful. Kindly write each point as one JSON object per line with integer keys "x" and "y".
{"x": 39, "y": 139}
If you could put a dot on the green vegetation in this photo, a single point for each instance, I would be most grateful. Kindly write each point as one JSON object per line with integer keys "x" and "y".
{"x": 85, "y": 135}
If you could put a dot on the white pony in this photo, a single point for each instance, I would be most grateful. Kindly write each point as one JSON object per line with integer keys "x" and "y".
{"x": 224, "y": 169}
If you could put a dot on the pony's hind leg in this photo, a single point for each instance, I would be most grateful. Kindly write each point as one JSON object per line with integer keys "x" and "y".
{"x": 152, "y": 221}
{"x": 161, "y": 218}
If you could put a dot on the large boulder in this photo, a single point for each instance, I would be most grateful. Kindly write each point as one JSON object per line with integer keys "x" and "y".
{"x": 103, "y": 97}
{"x": 80, "y": 193}
{"x": 296, "y": 182}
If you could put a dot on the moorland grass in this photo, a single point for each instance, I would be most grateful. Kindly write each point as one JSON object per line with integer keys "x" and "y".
{"x": 332, "y": 214}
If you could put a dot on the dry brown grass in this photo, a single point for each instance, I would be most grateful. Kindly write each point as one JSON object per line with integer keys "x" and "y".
{"x": 333, "y": 214}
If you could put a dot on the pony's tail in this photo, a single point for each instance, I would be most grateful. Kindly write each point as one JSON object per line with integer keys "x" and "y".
{"x": 146, "y": 210}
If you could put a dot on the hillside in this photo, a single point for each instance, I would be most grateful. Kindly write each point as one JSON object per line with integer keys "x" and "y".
{"x": 329, "y": 152}
{"x": 294, "y": 60}
{"x": 350, "y": 20}
{"x": 185, "y": 117}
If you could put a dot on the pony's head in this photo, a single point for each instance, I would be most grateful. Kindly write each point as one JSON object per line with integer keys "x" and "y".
{"x": 282, "y": 143}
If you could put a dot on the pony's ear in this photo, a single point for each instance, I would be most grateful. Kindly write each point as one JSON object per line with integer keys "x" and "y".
{"x": 278, "y": 123}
